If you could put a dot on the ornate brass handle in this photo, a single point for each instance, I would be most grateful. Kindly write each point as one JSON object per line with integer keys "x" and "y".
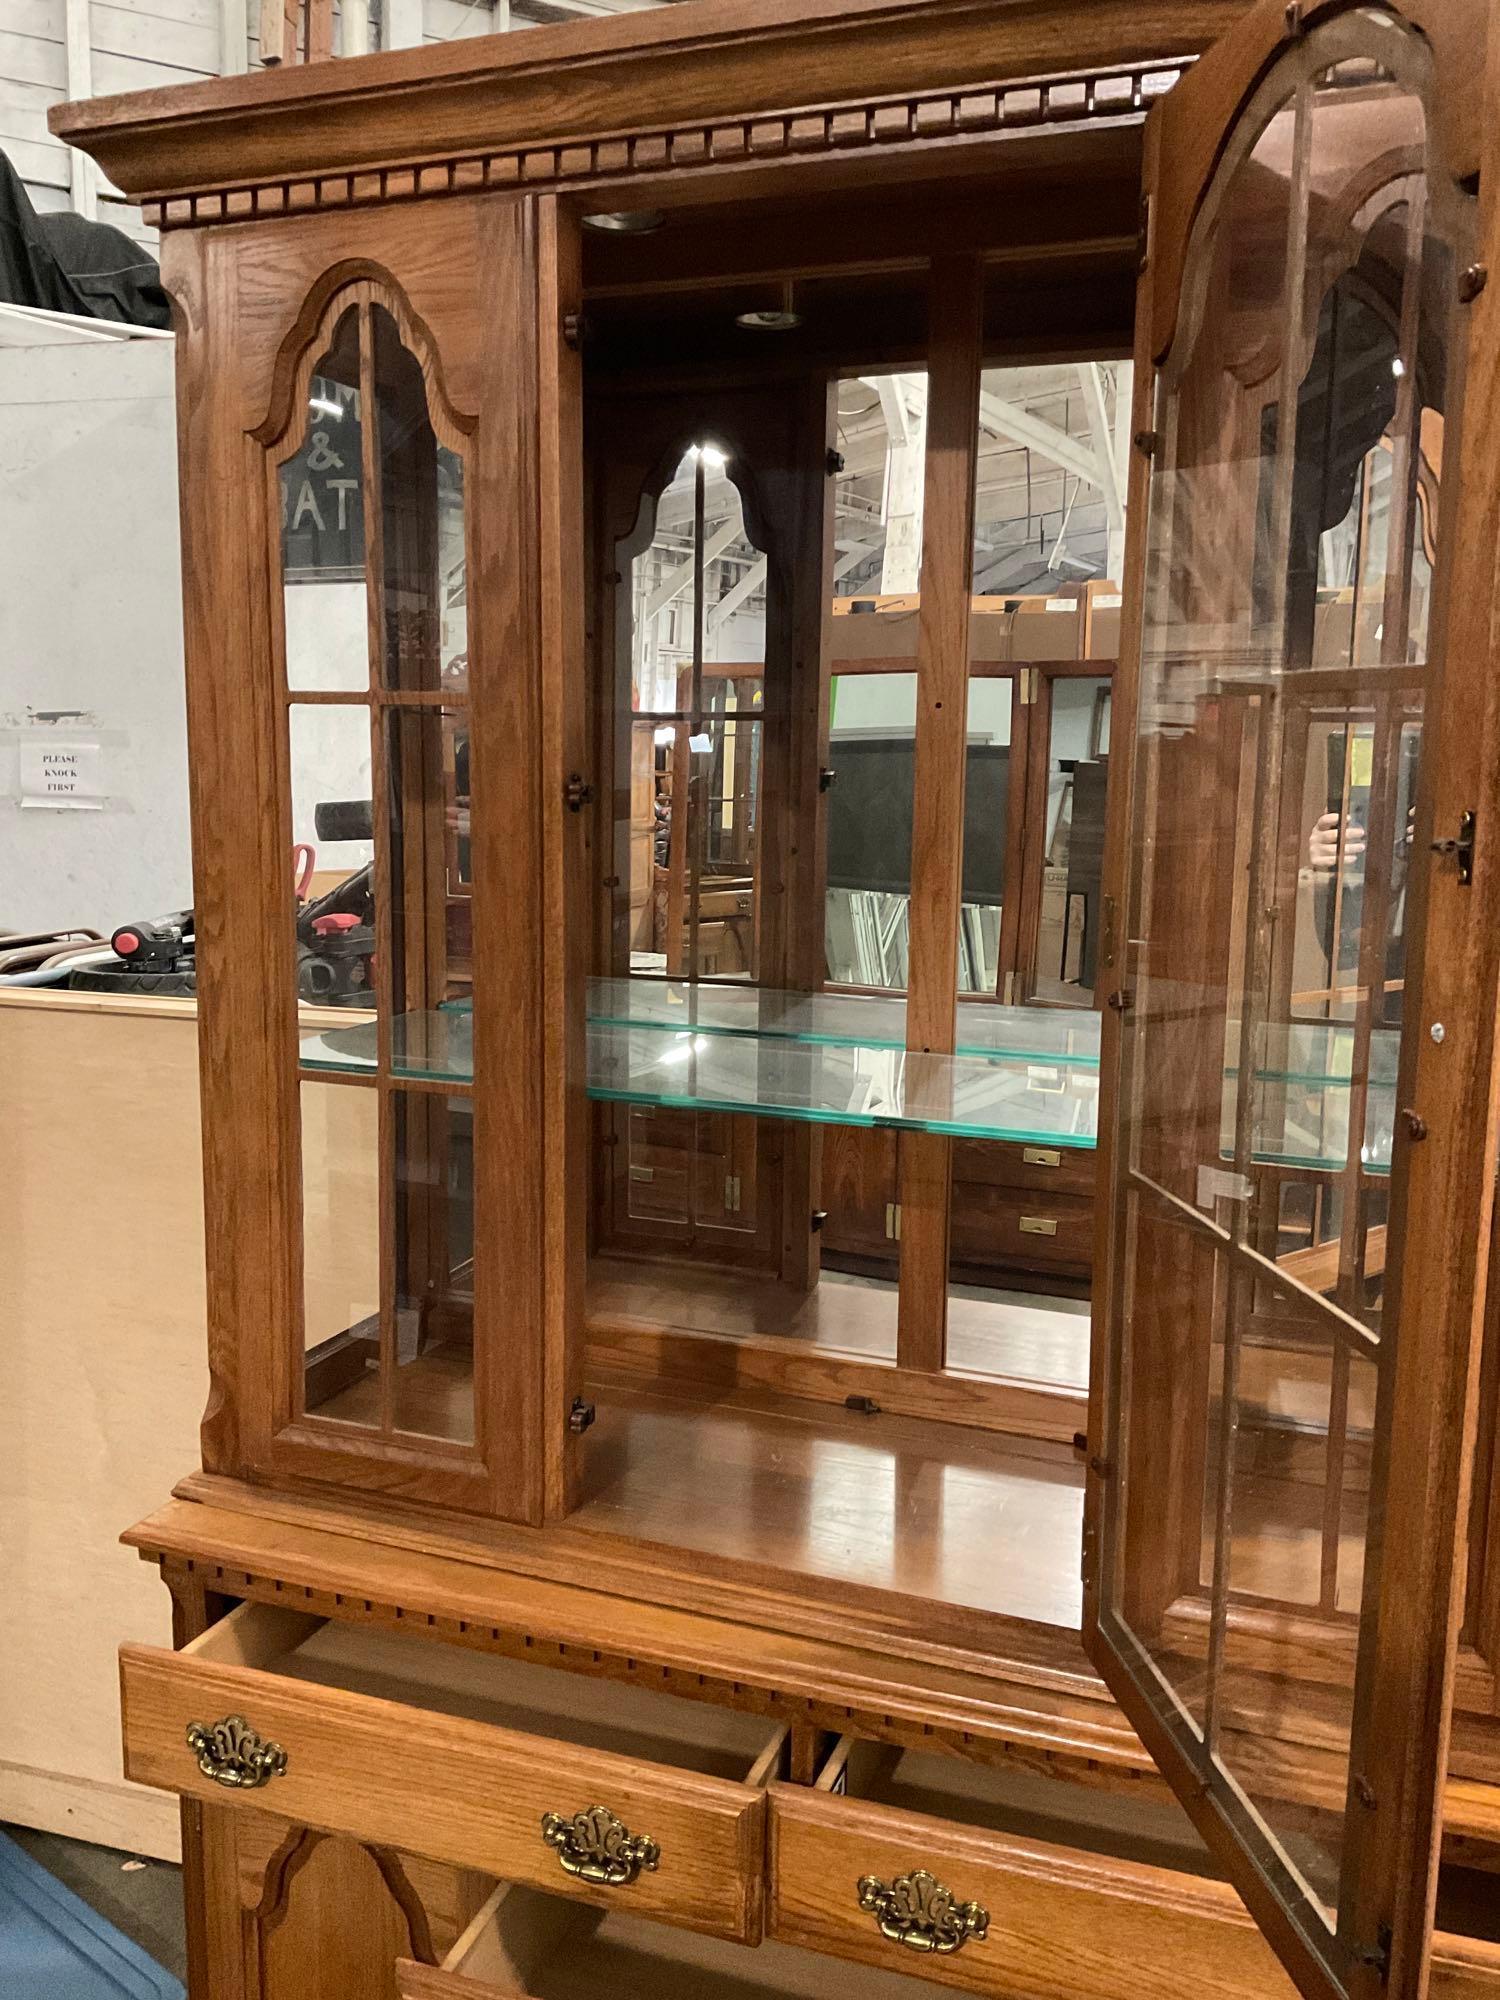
{"x": 597, "y": 1847}
{"x": 918, "y": 1911}
{"x": 231, "y": 1753}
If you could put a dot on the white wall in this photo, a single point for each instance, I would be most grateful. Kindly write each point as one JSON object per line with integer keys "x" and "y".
{"x": 91, "y": 619}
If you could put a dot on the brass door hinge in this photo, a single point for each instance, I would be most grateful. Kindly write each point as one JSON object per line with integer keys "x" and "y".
{"x": 893, "y": 1221}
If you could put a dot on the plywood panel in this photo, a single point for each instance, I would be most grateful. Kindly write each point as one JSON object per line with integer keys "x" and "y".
{"x": 101, "y": 1245}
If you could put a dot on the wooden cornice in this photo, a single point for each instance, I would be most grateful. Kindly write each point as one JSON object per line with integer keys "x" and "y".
{"x": 693, "y": 74}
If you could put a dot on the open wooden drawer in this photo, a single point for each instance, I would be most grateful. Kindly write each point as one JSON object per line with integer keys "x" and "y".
{"x": 1005, "y": 1882}
{"x": 524, "y": 1943}
{"x": 602, "y": 1791}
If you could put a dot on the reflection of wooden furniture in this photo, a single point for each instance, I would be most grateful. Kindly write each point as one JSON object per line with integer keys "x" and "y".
{"x": 1022, "y": 1215}
{"x": 733, "y": 1632}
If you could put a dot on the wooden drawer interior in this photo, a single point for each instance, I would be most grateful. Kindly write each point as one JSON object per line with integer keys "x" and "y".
{"x": 1019, "y": 1803}
{"x": 444, "y": 1679}
{"x": 526, "y": 1943}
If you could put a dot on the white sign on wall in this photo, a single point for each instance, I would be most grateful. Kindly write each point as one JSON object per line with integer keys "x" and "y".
{"x": 62, "y": 775}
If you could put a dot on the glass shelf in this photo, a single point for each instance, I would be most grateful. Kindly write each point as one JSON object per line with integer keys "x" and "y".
{"x": 968, "y": 1097}
{"x": 803, "y": 1062}
{"x": 1069, "y": 1037}
{"x": 430, "y": 1047}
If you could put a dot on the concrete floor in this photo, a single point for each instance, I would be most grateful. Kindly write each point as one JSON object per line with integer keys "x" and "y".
{"x": 145, "y": 1903}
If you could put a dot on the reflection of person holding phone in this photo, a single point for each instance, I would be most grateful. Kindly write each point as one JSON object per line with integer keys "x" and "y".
{"x": 1324, "y": 861}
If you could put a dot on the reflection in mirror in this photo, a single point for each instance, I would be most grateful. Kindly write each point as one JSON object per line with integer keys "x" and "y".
{"x": 1077, "y": 778}
{"x": 431, "y": 871}
{"x": 381, "y": 824}
{"x": 332, "y": 824}
{"x": 323, "y": 528}
{"x": 422, "y": 567}
{"x": 341, "y": 1252}
{"x": 693, "y": 631}
{"x": 1049, "y": 523}
{"x": 433, "y": 1232}
{"x": 872, "y": 700}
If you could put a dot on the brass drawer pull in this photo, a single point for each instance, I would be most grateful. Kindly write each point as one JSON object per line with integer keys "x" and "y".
{"x": 1038, "y": 1225}
{"x": 1041, "y": 1156}
{"x": 918, "y": 1911}
{"x": 231, "y": 1753}
{"x": 597, "y": 1847}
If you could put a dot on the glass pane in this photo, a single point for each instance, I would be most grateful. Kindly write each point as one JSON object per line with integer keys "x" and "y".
{"x": 423, "y": 574}
{"x": 433, "y": 1231}
{"x": 1067, "y": 945}
{"x": 332, "y": 823}
{"x": 1049, "y": 519}
{"x": 987, "y": 808}
{"x": 341, "y": 1252}
{"x": 427, "y": 776}
{"x": 693, "y": 639}
{"x": 872, "y": 646}
{"x": 323, "y": 529}
{"x": 1290, "y": 551}
{"x": 688, "y": 1190}
{"x": 872, "y": 748}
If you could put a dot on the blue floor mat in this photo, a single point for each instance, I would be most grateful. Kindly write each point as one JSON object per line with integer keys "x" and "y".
{"x": 54, "y": 1947}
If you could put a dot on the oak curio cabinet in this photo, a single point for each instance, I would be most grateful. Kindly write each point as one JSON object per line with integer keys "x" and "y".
{"x": 841, "y": 669}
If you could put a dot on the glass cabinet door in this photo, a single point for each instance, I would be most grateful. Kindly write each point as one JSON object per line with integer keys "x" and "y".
{"x": 390, "y": 1270}
{"x": 1278, "y": 1343}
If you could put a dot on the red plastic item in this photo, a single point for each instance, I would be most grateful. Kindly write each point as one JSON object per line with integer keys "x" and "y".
{"x": 340, "y": 920}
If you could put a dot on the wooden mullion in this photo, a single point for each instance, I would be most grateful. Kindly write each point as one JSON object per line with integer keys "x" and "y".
{"x": 571, "y": 843}
{"x": 925, "y": 1159}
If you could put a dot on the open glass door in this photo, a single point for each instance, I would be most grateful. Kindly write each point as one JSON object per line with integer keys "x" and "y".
{"x": 1293, "y": 1245}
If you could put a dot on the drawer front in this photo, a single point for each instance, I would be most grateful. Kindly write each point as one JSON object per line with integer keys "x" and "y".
{"x": 454, "y": 1790}
{"x": 1052, "y": 1923}
{"x": 1041, "y": 1168}
{"x": 1007, "y": 1226}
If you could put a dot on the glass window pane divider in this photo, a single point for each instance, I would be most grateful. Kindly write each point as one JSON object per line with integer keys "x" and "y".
{"x": 1341, "y": 1325}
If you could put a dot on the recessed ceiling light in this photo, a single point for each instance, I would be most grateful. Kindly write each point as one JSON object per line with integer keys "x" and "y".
{"x": 626, "y": 221}
{"x": 775, "y": 319}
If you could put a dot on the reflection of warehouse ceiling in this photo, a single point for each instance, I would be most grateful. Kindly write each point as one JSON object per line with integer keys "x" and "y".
{"x": 1049, "y": 506}
{"x": 1052, "y": 467}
